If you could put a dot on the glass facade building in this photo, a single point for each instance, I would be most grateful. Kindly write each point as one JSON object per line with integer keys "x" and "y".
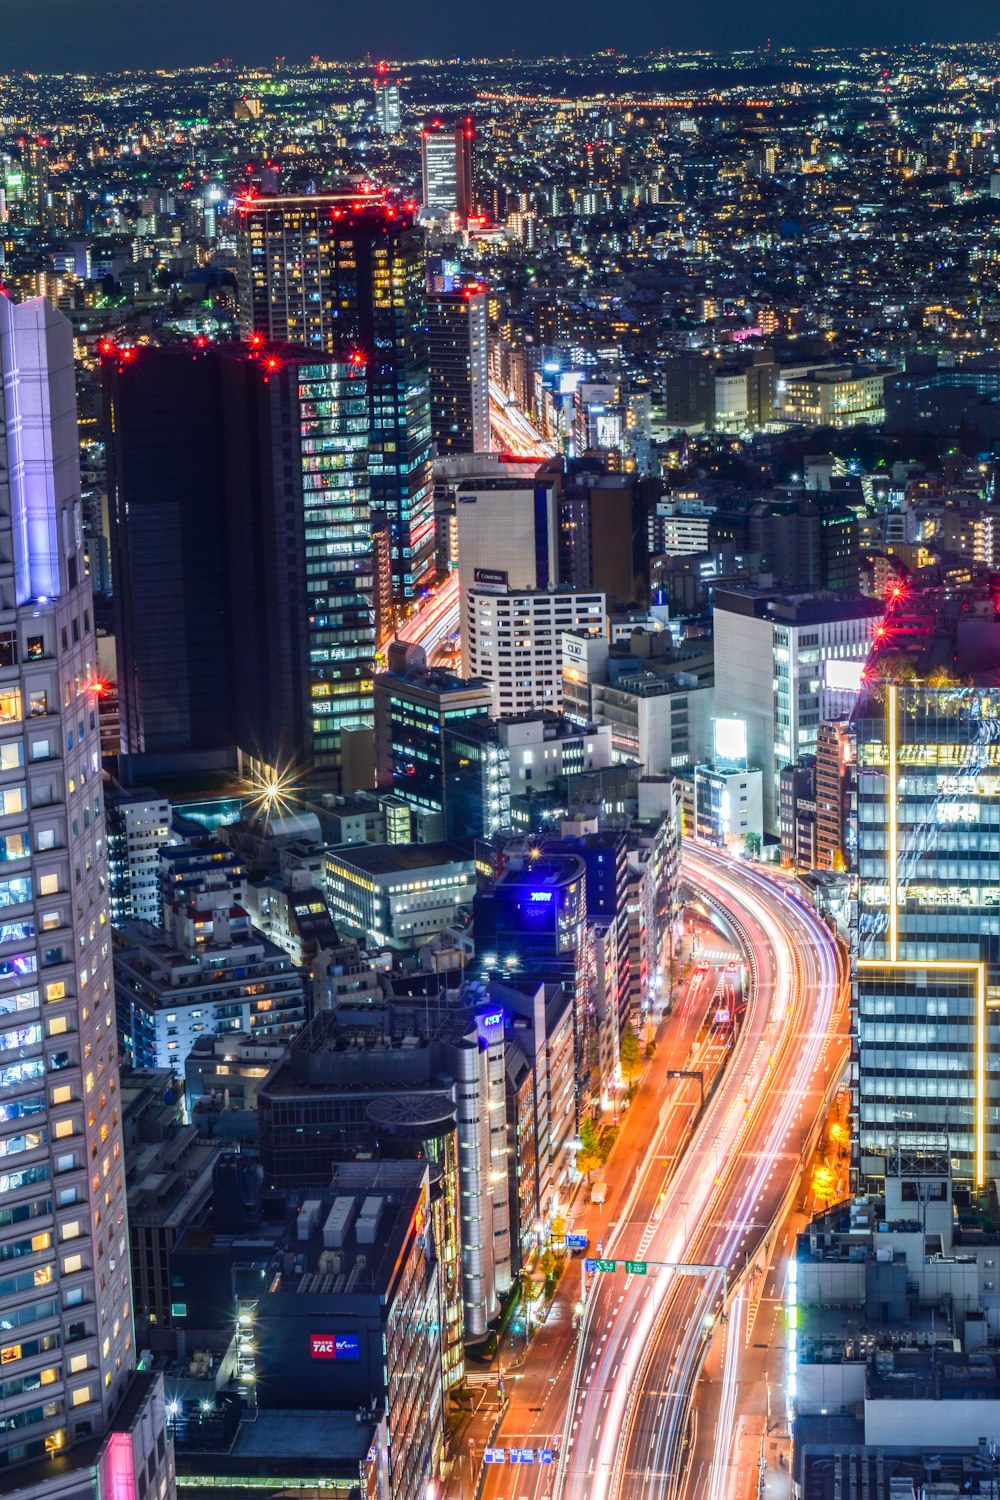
{"x": 336, "y": 522}
{"x": 926, "y": 981}
{"x": 344, "y": 275}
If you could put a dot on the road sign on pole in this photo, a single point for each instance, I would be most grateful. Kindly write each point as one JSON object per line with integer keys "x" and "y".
{"x": 635, "y": 1267}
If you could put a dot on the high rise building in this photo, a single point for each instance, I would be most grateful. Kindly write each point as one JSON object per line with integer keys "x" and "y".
{"x": 67, "y": 1349}
{"x": 344, "y": 275}
{"x": 244, "y": 563}
{"x": 834, "y": 774}
{"x": 388, "y": 111}
{"x": 779, "y": 660}
{"x": 460, "y": 386}
{"x": 166, "y": 510}
{"x": 507, "y": 534}
{"x": 927, "y": 942}
{"x": 300, "y": 553}
{"x": 533, "y": 923}
{"x": 413, "y": 708}
{"x": 35, "y": 176}
{"x": 514, "y": 640}
{"x": 446, "y": 167}
{"x": 138, "y": 826}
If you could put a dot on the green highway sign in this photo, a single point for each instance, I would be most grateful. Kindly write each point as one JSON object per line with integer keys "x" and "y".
{"x": 635, "y": 1267}
{"x": 607, "y": 1265}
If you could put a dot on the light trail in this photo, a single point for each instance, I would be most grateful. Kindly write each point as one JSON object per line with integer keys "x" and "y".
{"x": 630, "y": 1437}
{"x": 436, "y": 618}
{"x": 512, "y": 430}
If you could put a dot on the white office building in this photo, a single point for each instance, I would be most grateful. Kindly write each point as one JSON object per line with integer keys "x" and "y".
{"x": 515, "y": 640}
{"x": 508, "y": 536}
{"x": 774, "y": 656}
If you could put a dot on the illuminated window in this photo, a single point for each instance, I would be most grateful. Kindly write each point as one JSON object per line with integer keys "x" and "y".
{"x": 70, "y": 1264}
{"x": 81, "y": 1395}
{"x": 48, "y": 885}
{"x": 14, "y": 800}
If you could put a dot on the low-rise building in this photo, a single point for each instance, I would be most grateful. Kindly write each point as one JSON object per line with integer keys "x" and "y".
{"x": 398, "y": 895}
{"x": 295, "y": 917}
{"x": 831, "y": 395}
{"x": 212, "y": 974}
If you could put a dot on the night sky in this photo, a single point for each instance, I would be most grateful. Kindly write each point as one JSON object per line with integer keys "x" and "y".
{"x": 97, "y": 35}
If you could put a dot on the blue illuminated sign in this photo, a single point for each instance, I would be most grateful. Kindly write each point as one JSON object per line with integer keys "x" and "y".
{"x": 494, "y": 1019}
{"x": 541, "y": 895}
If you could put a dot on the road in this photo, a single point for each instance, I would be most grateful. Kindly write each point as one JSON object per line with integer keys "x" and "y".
{"x": 436, "y": 620}
{"x": 539, "y": 1385}
{"x": 644, "y": 1337}
{"x": 512, "y": 431}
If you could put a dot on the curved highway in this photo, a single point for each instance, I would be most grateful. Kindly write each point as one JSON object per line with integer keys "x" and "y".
{"x": 644, "y": 1337}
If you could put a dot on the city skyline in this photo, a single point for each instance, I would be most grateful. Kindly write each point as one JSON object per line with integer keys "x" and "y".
{"x": 38, "y": 37}
{"x": 500, "y": 759}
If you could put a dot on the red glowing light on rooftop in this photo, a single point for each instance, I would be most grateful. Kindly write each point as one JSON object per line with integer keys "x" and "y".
{"x": 256, "y": 339}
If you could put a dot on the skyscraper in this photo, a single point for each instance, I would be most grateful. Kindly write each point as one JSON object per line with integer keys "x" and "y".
{"x": 35, "y": 172}
{"x": 66, "y": 1349}
{"x": 387, "y": 101}
{"x": 169, "y": 559}
{"x": 243, "y": 552}
{"x": 460, "y": 385}
{"x": 344, "y": 275}
{"x": 927, "y": 949}
{"x": 446, "y": 168}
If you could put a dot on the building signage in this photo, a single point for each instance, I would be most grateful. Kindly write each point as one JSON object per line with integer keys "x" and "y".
{"x": 541, "y": 895}
{"x": 495, "y": 1018}
{"x": 334, "y": 1346}
{"x": 491, "y": 578}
